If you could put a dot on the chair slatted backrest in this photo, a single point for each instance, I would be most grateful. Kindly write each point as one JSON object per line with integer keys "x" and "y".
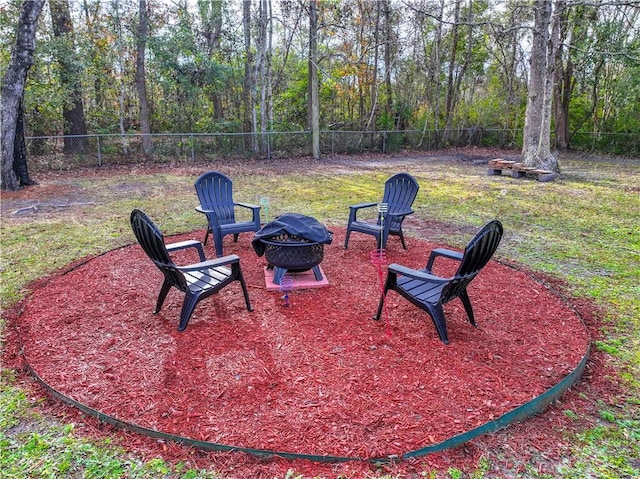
{"x": 477, "y": 254}
{"x": 215, "y": 192}
{"x": 152, "y": 242}
{"x": 400, "y": 191}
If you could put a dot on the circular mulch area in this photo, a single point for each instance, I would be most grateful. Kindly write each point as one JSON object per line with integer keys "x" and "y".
{"x": 319, "y": 377}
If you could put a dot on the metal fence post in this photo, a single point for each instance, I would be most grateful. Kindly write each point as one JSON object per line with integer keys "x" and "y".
{"x": 99, "y": 152}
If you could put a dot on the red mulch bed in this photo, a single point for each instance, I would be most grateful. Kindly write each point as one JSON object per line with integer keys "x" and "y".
{"x": 320, "y": 377}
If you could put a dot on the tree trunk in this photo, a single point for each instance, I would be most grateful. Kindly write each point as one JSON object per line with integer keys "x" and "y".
{"x": 75, "y": 128}
{"x": 13, "y": 85}
{"x": 249, "y": 83}
{"x": 269, "y": 99}
{"x": 449, "y": 100}
{"x": 211, "y": 14}
{"x": 436, "y": 66}
{"x": 141, "y": 83}
{"x": 371, "y": 123}
{"x": 262, "y": 65}
{"x": 314, "y": 101}
{"x": 122, "y": 93}
{"x": 536, "y": 141}
{"x": 20, "y": 151}
{"x": 576, "y": 26}
{"x": 387, "y": 60}
{"x": 512, "y": 94}
{"x": 563, "y": 89}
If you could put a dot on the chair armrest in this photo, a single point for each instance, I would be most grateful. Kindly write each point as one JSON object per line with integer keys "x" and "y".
{"x": 187, "y": 244}
{"x": 416, "y": 274}
{"x": 362, "y": 205}
{"x": 446, "y": 253}
{"x": 255, "y": 209}
{"x": 201, "y": 209}
{"x": 212, "y": 216}
{"x": 212, "y": 263}
{"x": 248, "y": 205}
{"x": 400, "y": 212}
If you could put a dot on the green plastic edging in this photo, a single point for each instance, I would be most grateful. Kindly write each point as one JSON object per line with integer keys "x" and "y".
{"x": 211, "y": 446}
{"x": 520, "y": 413}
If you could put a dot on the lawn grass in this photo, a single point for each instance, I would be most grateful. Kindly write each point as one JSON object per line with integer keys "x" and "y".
{"x": 582, "y": 228}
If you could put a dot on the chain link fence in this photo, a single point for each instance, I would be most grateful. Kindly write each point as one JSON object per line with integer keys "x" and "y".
{"x": 68, "y": 152}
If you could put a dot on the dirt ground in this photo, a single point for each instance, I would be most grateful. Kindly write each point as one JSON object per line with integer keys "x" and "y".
{"x": 57, "y": 191}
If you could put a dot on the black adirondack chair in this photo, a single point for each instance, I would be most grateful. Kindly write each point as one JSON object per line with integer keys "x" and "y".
{"x": 215, "y": 192}
{"x": 198, "y": 281}
{"x": 399, "y": 193}
{"x": 430, "y": 292}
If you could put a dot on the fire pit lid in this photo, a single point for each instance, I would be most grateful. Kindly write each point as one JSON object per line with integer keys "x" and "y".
{"x": 297, "y": 225}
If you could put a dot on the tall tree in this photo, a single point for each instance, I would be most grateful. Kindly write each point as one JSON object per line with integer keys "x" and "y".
{"x": 13, "y": 84}
{"x": 457, "y": 67}
{"x": 506, "y": 76}
{"x": 388, "y": 61}
{"x": 211, "y": 17}
{"x": 453, "y": 66}
{"x": 141, "y": 81}
{"x": 371, "y": 123}
{"x": 430, "y": 22}
{"x": 263, "y": 71}
{"x": 314, "y": 99}
{"x": 563, "y": 83}
{"x": 250, "y": 122}
{"x": 122, "y": 74}
{"x": 75, "y": 127}
{"x": 536, "y": 140}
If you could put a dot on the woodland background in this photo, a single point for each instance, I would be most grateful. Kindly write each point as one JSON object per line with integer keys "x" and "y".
{"x": 427, "y": 73}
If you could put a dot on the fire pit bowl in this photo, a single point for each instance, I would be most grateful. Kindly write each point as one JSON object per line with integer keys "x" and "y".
{"x": 293, "y": 253}
{"x": 292, "y": 242}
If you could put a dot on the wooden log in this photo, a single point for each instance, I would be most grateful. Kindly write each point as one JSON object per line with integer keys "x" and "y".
{"x": 522, "y": 167}
{"x": 500, "y": 163}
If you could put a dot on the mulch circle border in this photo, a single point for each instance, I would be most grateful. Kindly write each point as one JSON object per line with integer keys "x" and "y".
{"x": 518, "y": 414}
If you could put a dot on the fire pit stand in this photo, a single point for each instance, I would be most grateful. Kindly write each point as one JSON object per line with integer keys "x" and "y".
{"x": 292, "y": 243}
{"x": 286, "y": 253}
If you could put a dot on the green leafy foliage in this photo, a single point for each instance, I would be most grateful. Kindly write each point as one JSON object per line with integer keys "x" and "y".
{"x": 404, "y": 68}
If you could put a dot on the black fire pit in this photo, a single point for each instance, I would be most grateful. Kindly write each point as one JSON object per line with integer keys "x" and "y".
{"x": 294, "y": 243}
